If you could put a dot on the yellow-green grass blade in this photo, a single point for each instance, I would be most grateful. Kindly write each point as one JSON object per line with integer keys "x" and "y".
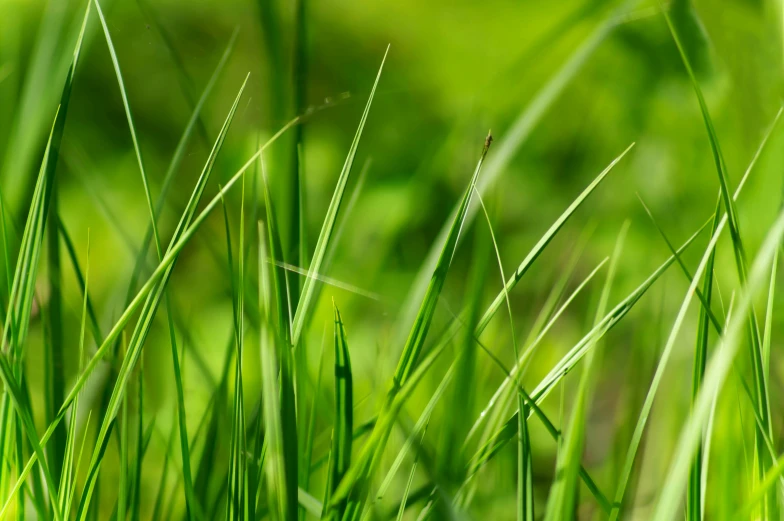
{"x": 547, "y": 237}
{"x": 513, "y": 140}
{"x": 131, "y": 126}
{"x": 188, "y": 227}
{"x": 281, "y": 326}
{"x": 279, "y": 277}
{"x": 525, "y": 494}
{"x": 23, "y": 285}
{"x": 145, "y": 320}
{"x": 328, "y": 227}
{"x": 68, "y": 472}
{"x": 306, "y": 461}
{"x": 547, "y": 317}
{"x": 275, "y": 467}
{"x": 503, "y": 435}
{"x": 562, "y": 503}
{"x": 355, "y": 482}
{"x": 762, "y": 398}
{"x": 81, "y": 279}
{"x": 143, "y": 325}
{"x": 402, "y": 509}
{"x": 177, "y": 158}
{"x": 716, "y": 373}
{"x": 694, "y": 495}
{"x": 451, "y": 462}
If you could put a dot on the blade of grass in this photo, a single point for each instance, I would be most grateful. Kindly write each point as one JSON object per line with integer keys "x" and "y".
{"x": 189, "y": 226}
{"x": 525, "y": 505}
{"x": 762, "y": 399}
{"x": 515, "y": 137}
{"x": 342, "y": 435}
{"x": 236, "y": 507}
{"x": 562, "y": 502}
{"x": 281, "y": 330}
{"x": 145, "y": 320}
{"x": 275, "y": 464}
{"x": 567, "y": 362}
{"x": 328, "y": 227}
{"x": 715, "y": 375}
{"x": 368, "y": 458}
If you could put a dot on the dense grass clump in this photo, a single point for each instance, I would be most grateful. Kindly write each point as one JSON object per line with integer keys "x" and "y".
{"x": 240, "y": 338}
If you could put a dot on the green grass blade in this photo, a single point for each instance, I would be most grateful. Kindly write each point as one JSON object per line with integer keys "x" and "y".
{"x": 279, "y": 286}
{"x": 145, "y": 319}
{"x": 306, "y": 462}
{"x": 188, "y": 227}
{"x": 514, "y": 138}
{"x": 762, "y": 398}
{"x": 715, "y": 375}
{"x": 342, "y": 435}
{"x": 56, "y": 448}
{"x": 177, "y": 158}
{"x": 325, "y": 236}
{"x": 525, "y": 494}
{"x": 275, "y": 470}
{"x": 131, "y": 126}
{"x": 235, "y": 507}
{"x": 402, "y": 510}
{"x": 451, "y": 461}
{"x": 562, "y": 503}
{"x": 407, "y": 364}
{"x": 583, "y": 346}
{"x": 81, "y": 278}
{"x": 547, "y": 237}
{"x": 416, "y": 338}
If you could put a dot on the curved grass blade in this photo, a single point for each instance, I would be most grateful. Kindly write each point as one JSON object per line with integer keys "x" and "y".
{"x": 525, "y": 494}
{"x": 176, "y": 161}
{"x": 145, "y": 320}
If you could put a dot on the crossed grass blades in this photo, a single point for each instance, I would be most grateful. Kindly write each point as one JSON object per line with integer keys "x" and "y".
{"x": 272, "y": 437}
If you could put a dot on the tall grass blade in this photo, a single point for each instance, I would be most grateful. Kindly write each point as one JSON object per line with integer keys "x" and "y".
{"x": 515, "y": 137}
{"x": 275, "y": 459}
{"x": 325, "y": 236}
{"x": 762, "y": 398}
{"x": 407, "y": 364}
{"x": 562, "y": 503}
{"x": 343, "y": 431}
{"x": 716, "y": 373}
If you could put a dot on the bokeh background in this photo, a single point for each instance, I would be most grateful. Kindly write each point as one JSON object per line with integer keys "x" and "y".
{"x": 564, "y": 86}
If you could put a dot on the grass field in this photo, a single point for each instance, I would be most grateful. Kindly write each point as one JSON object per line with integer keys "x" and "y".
{"x": 385, "y": 260}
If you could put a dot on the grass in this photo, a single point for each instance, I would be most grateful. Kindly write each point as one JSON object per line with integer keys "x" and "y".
{"x": 437, "y": 414}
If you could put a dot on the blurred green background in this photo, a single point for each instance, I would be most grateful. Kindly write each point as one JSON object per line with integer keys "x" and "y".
{"x": 587, "y": 78}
